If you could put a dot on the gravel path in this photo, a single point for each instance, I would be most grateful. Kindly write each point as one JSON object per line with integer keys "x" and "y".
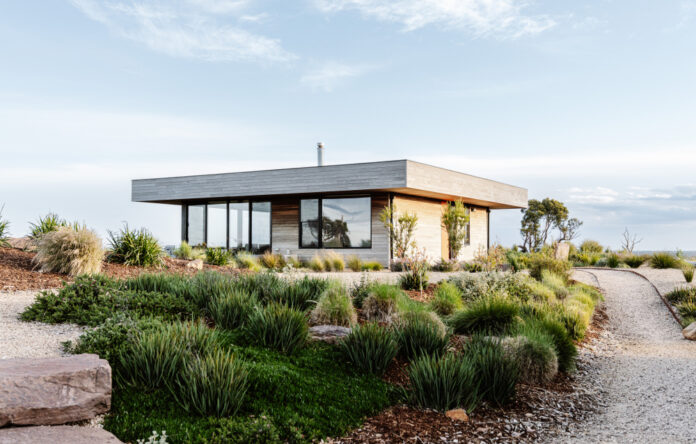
{"x": 646, "y": 374}
{"x": 20, "y": 339}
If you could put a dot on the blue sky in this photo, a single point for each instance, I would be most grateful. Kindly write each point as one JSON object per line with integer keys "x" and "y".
{"x": 589, "y": 102}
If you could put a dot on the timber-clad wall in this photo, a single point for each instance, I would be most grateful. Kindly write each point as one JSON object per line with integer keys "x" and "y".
{"x": 286, "y": 232}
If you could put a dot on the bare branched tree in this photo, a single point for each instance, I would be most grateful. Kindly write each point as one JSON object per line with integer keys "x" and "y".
{"x": 630, "y": 241}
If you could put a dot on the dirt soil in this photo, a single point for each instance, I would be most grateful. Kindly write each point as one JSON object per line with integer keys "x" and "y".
{"x": 18, "y": 273}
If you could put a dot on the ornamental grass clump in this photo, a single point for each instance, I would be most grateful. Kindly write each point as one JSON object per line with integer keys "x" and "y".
{"x": 231, "y": 310}
{"x": 447, "y": 299}
{"x": 538, "y": 262}
{"x": 316, "y": 264}
{"x": 212, "y": 384}
{"x": 278, "y": 327}
{"x": 301, "y": 294}
{"x": 420, "y": 333}
{"x": 534, "y": 352}
{"x": 371, "y": 266}
{"x": 50, "y": 222}
{"x": 634, "y": 260}
{"x": 370, "y": 348}
{"x": 566, "y": 350}
{"x": 444, "y": 382}
{"x": 247, "y": 261}
{"x": 557, "y": 283}
{"x": 334, "y": 307}
{"x": 208, "y": 285}
{"x": 354, "y": 263}
{"x": 273, "y": 261}
{"x": 381, "y": 303}
{"x": 613, "y": 260}
{"x": 496, "y": 372}
{"x": 134, "y": 247}
{"x": 69, "y": 251}
{"x": 493, "y": 314}
{"x": 664, "y": 260}
{"x": 688, "y": 271}
{"x": 159, "y": 282}
{"x": 681, "y": 294}
{"x": 333, "y": 261}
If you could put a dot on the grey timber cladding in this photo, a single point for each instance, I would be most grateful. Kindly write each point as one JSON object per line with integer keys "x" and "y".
{"x": 326, "y": 179}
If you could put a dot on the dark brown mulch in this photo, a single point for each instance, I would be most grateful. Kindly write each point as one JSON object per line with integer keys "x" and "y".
{"x": 17, "y": 272}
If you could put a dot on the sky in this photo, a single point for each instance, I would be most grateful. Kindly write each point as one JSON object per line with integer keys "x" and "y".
{"x": 588, "y": 102}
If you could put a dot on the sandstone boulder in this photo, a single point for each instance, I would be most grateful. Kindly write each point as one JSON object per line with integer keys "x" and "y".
{"x": 47, "y": 391}
{"x": 690, "y": 332}
{"x": 562, "y": 251}
{"x": 328, "y": 333}
{"x": 458, "y": 415}
{"x": 56, "y": 435}
{"x": 196, "y": 264}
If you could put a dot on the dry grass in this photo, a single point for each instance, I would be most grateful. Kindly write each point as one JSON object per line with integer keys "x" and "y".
{"x": 69, "y": 251}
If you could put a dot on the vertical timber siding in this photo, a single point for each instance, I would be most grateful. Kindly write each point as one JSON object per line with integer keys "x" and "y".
{"x": 479, "y": 235}
{"x": 286, "y": 232}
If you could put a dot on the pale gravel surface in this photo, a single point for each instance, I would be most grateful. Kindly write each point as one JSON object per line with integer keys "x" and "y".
{"x": 646, "y": 371}
{"x": 20, "y": 339}
{"x": 354, "y": 277}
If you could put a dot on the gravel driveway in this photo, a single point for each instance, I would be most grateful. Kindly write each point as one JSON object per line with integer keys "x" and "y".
{"x": 29, "y": 339}
{"x": 646, "y": 374}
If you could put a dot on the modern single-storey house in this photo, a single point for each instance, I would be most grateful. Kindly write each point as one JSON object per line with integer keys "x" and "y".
{"x": 302, "y": 211}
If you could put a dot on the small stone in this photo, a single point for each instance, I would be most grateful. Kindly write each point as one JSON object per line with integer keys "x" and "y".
{"x": 457, "y": 415}
{"x": 196, "y": 264}
{"x": 690, "y": 332}
{"x": 328, "y": 333}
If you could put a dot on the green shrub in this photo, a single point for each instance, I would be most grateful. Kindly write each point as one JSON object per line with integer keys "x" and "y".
{"x": 566, "y": 350}
{"x": 687, "y": 309}
{"x": 159, "y": 282}
{"x": 208, "y": 285}
{"x": 664, "y": 260}
{"x": 248, "y": 261}
{"x": 134, "y": 247}
{"x": 444, "y": 383}
{"x": 278, "y": 327}
{"x": 380, "y": 305}
{"x": 230, "y": 311}
{"x": 515, "y": 259}
{"x": 301, "y": 294}
{"x": 535, "y": 354}
{"x": 316, "y": 263}
{"x": 4, "y": 230}
{"x": 370, "y": 348}
{"x": 361, "y": 290}
{"x": 50, "y": 222}
{"x": 445, "y": 265}
{"x": 185, "y": 251}
{"x": 575, "y": 320}
{"x": 538, "y": 262}
{"x": 541, "y": 292}
{"x": 688, "y": 271}
{"x": 273, "y": 261}
{"x": 634, "y": 260}
{"x": 613, "y": 260}
{"x": 91, "y": 300}
{"x": 218, "y": 256}
{"x": 419, "y": 333}
{"x": 371, "y": 266}
{"x": 212, "y": 384}
{"x": 354, "y": 263}
{"x": 555, "y": 282}
{"x": 586, "y": 258}
{"x": 590, "y": 246}
{"x": 492, "y": 315}
{"x": 447, "y": 299}
{"x": 334, "y": 307}
{"x": 681, "y": 294}
{"x": 69, "y": 251}
{"x": 497, "y": 373}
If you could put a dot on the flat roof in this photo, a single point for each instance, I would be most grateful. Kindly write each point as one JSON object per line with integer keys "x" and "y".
{"x": 398, "y": 176}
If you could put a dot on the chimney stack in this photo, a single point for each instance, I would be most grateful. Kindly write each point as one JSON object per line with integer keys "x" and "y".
{"x": 320, "y": 154}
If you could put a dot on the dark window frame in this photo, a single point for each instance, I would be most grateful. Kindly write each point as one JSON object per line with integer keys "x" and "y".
{"x": 227, "y": 202}
{"x": 320, "y": 199}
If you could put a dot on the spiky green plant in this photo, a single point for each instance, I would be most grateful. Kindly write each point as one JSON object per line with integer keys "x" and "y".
{"x": 492, "y": 314}
{"x": 370, "y": 347}
{"x": 218, "y": 256}
{"x": 445, "y": 382}
{"x": 278, "y": 327}
{"x": 447, "y": 299}
{"x": 248, "y": 261}
{"x": 231, "y": 310}
{"x": 134, "y": 247}
{"x": 664, "y": 260}
{"x": 354, "y": 263}
{"x": 420, "y": 333}
{"x": 497, "y": 373}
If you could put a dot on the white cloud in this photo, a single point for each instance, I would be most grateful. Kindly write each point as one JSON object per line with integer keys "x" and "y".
{"x": 197, "y": 29}
{"x": 500, "y": 18}
{"x": 329, "y": 75}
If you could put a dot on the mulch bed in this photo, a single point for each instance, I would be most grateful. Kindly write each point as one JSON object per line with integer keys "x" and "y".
{"x": 17, "y": 272}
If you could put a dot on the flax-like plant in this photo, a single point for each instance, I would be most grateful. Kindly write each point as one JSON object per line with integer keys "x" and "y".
{"x": 230, "y": 311}
{"x": 134, "y": 247}
{"x": 421, "y": 333}
{"x": 213, "y": 384}
{"x": 278, "y": 327}
{"x": 50, "y": 222}
{"x": 497, "y": 373}
{"x": 443, "y": 383}
{"x": 370, "y": 347}
{"x": 455, "y": 220}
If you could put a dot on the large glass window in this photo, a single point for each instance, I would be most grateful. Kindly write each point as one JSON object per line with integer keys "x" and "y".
{"x": 343, "y": 222}
{"x": 196, "y": 225}
{"x": 217, "y": 224}
{"x": 260, "y": 226}
{"x": 239, "y": 225}
{"x": 309, "y": 223}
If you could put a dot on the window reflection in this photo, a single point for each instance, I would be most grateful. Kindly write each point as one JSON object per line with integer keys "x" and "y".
{"x": 196, "y": 225}
{"x": 217, "y": 225}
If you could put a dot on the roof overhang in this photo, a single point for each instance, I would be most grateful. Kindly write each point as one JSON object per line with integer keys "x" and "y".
{"x": 399, "y": 176}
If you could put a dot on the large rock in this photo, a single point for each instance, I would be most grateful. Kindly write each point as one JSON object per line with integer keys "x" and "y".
{"x": 56, "y": 435}
{"x": 562, "y": 251}
{"x": 47, "y": 391}
{"x": 690, "y": 332}
{"x": 196, "y": 264}
{"x": 328, "y": 333}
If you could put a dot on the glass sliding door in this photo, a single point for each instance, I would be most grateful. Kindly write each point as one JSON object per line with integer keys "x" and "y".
{"x": 196, "y": 225}
{"x": 260, "y": 227}
{"x": 309, "y": 223}
{"x": 217, "y": 224}
{"x": 239, "y": 225}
